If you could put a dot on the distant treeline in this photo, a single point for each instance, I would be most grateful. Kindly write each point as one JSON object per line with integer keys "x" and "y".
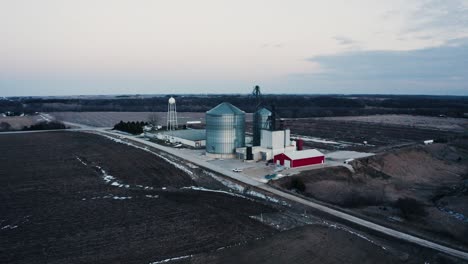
{"x": 130, "y": 127}
{"x": 286, "y": 105}
{"x": 45, "y": 125}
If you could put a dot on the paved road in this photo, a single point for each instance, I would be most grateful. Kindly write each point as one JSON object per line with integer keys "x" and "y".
{"x": 202, "y": 163}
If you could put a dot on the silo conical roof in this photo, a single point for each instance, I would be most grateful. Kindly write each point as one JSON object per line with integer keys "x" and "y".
{"x": 225, "y": 109}
{"x": 263, "y": 111}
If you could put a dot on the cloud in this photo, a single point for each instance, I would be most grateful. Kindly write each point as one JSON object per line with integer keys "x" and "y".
{"x": 443, "y": 19}
{"x": 348, "y": 43}
{"x": 432, "y": 22}
{"x": 444, "y": 61}
{"x": 344, "y": 40}
{"x": 438, "y": 69}
{"x": 272, "y": 45}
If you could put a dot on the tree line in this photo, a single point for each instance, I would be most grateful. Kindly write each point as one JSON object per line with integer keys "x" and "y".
{"x": 46, "y": 125}
{"x": 286, "y": 105}
{"x": 130, "y": 127}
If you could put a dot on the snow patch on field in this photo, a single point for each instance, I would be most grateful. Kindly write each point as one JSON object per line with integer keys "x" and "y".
{"x": 232, "y": 245}
{"x": 248, "y": 193}
{"x": 237, "y": 244}
{"x": 458, "y": 216}
{"x": 122, "y": 197}
{"x": 109, "y": 179}
{"x": 106, "y": 177}
{"x": 267, "y": 198}
{"x": 262, "y": 196}
{"x": 9, "y": 227}
{"x": 335, "y": 226}
{"x": 16, "y": 225}
{"x": 175, "y": 164}
{"x": 233, "y": 186}
{"x": 171, "y": 259}
{"x": 144, "y": 187}
{"x": 196, "y": 188}
{"x": 193, "y": 166}
{"x": 151, "y": 196}
{"x": 81, "y": 161}
{"x": 269, "y": 223}
{"x": 318, "y": 140}
{"x": 241, "y": 189}
{"x": 110, "y": 196}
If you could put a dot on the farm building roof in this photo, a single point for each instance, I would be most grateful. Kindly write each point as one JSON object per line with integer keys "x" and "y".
{"x": 189, "y": 134}
{"x": 303, "y": 154}
{"x": 263, "y": 111}
{"x": 225, "y": 109}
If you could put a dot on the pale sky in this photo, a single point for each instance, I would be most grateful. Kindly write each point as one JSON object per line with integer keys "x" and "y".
{"x": 72, "y": 47}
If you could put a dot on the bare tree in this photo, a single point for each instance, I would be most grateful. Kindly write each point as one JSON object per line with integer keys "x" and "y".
{"x": 153, "y": 119}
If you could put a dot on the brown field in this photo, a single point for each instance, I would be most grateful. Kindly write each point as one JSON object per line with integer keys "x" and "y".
{"x": 18, "y": 122}
{"x": 72, "y": 197}
{"x": 351, "y": 135}
{"x": 56, "y": 209}
{"x": 438, "y": 123}
{"x": 319, "y": 244}
{"x": 434, "y": 175}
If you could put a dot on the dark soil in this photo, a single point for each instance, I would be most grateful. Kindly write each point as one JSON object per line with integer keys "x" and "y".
{"x": 433, "y": 176}
{"x": 321, "y": 245}
{"x": 376, "y": 135}
{"x": 54, "y": 209}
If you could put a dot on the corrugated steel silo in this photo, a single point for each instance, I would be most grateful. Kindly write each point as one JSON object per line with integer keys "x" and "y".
{"x": 260, "y": 122}
{"x": 225, "y": 130}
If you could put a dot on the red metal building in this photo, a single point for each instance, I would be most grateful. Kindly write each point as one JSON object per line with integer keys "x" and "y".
{"x": 296, "y": 159}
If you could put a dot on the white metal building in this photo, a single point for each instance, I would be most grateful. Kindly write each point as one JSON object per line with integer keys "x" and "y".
{"x": 195, "y": 138}
{"x": 271, "y": 144}
{"x": 275, "y": 139}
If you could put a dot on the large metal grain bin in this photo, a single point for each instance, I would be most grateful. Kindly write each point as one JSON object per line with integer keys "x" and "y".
{"x": 260, "y": 122}
{"x": 225, "y": 130}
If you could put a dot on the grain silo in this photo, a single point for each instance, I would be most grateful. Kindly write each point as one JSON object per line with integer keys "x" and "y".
{"x": 225, "y": 130}
{"x": 260, "y": 122}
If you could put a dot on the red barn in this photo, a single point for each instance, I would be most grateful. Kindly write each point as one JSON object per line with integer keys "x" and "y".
{"x": 300, "y": 158}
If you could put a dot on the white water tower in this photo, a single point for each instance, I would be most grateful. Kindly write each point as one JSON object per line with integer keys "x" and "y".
{"x": 171, "y": 114}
